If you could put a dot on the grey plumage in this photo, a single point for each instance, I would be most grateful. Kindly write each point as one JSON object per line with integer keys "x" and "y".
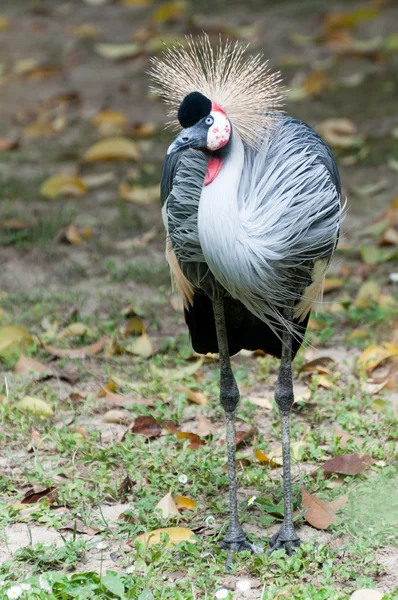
{"x": 262, "y": 246}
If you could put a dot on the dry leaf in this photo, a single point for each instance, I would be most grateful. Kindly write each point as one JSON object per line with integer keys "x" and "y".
{"x": 261, "y": 457}
{"x": 316, "y": 83}
{"x": 141, "y": 130}
{"x": 40, "y": 72}
{"x": 195, "y": 440}
{"x": 14, "y": 338}
{"x": 345, "y": 437}
{"x": 8, "y": 144}
{"x": 167, "y": 506}
{"x": 73, "y": 235}
{"x": 367, "y": 594}
{"x": 85, "y": 31}
{"x": 36, "y": 494}
{"x": 295, "y": 450}
{"x": 35, "y": 406}
{"x": 30, "y": 366}
{"x": 261, "y": 402}
{"x": 140, "y": 346}
{"x": 204, "y": 427}
{"x": 146, "y": 426}
{"x": 81, "y": 352}
{"x": 118, "y": 51}
{"x": 332, "y": 284}
{"x": 169, "y": 12}
{"x": 62, "y": 184}
{"x": 196, "y": 397}
{"x": 340, "y": 133}
{"x": 319, "y": 514}
{"x": 113, "y": 399}
{"x": 138, "y": 194}
{"x": 78, "y": 526}
{"x": 40, "y": 128}
{"x": 323, "y": 381}
{"x": 374, "y": 355}
{"x": 181, "y": 373}
{"x": 368, "y": 294}
{"x": 112, "y": 148}
{"x": 75, "y": 330}
{"x": 116, "y": 416}
{"x": 185, "y": 503}
{"x": 318, "y": 365}
{"x": 95, "y": 181}
{"x": 176, "y": 535}
{"x": 348, "y": 464}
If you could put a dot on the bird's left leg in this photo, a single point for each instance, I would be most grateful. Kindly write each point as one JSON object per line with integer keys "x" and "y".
{"x": 236, "y": 539}
{"x": 286, "y": 537}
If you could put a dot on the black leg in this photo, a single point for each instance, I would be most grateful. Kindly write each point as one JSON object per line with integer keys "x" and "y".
{"x": 286, "y": 537}
{"x": 236, "y": 539}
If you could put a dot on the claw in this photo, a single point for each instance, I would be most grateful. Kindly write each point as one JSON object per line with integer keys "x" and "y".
{"x": 277, "y": 542}
{"x": 239, "y": 545}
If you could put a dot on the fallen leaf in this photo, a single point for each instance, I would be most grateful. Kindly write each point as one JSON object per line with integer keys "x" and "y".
{"x": 84, "y": 31}
{"x": 15, "y": 225}
{"x": 36, "y": 494}
{"x": 146, "y": 426}
{"x": 34, "y": 368}
{"x": 141, "y": 130}
{"x": 76, "y": 525}
{"x": 118, "y": 51}
{"x": 323, "y": 381}
{"x": 374, "y": 355}
{"x": 95, "y": 181}
{"x": 176, "y": 535}
{"x": 13, "y": 339}
{"x": 4, "y": 23}
{"x": 140, "y": 346}
{"x": 318, "y": 366}
{"x": 374, "y": 387}
{"x": 62, "y": 184}
{"x": 169, "y": 12}
{"x": 179, "y": 373}
{"x": 35, "y": 406}
{"x": 116, "y": 416}
{"x": 261, "y": 402}
{"x": 185, "y": 503}
{"x": 75, "y": 330}
{"x": 40, "y": 72}
{"x": 81, "y": 352}
{"x": 195, "y": 440}
{"x": 196, "y": 397}
{"x": 319, "y": 514}
{"x": 348, "y": 464}
{"x": 316, "y": 83}
{"x": 261, "y": 457}
{"x": 345, "y": 437}
{"x": 73, "y": 235}
{"x": 368, "y": 294}
{"x": 340, "y": 133}
{"x": 374, "y": 256}
{"x": 138, "y": 194}
{"x": 167, "y": 506}
{"x": 204, "y": 427}
{"x": 39, "y": 128}
{"x": 243, "y": 435}
{"x": 367, "y": 594}
{"x": 295, "y": 450}
{"x": 112, "y": 148}
{"x": 119, "y": 400}
{"x": 332, "y": 284}
{"x": 7, "y": 144}
{"x": 358, "y": 334}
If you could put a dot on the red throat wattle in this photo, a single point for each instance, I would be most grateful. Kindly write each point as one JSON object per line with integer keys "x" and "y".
{"x": 213, "y": 168}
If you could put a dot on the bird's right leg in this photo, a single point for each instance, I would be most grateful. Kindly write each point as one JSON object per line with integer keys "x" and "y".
{"x": 236, "y": 539}
{"x": 286, "y": 537}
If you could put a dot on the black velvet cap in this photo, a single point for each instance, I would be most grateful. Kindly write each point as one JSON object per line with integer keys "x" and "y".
{"x": 194, "y": 107}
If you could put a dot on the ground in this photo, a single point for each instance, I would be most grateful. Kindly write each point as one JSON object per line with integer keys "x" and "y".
{"x": 85, "y": 289}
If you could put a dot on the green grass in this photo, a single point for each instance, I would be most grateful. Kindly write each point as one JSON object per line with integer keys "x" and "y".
{"x": 90, "y": 473}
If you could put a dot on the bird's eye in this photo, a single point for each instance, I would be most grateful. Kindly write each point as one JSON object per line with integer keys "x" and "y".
{"x": 209, "y": 121}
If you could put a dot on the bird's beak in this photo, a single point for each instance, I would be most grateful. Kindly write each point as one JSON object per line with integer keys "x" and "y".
{"x": 191, "y": 137}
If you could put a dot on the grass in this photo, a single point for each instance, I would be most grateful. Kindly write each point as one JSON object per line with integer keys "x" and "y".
{"x": 92, "y": 472}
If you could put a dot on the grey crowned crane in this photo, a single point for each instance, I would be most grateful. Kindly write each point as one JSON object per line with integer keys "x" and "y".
{"x": 251, "y": 205}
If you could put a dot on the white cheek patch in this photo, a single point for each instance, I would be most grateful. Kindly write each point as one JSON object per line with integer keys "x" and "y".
{"x": 219, "y": 133}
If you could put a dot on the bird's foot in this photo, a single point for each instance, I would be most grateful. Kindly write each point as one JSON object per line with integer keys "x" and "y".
{"x": 286, "y": 538}
{"x": 238, "y": 543}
